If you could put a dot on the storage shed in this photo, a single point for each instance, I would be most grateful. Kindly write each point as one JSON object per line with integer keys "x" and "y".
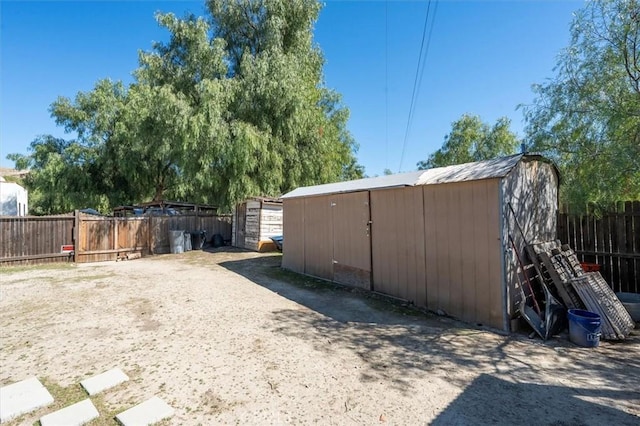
{"x": 438, "y": 238}
{"x": 256, "y": 220}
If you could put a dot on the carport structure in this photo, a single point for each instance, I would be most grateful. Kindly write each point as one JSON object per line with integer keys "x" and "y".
{"x": 438, "y": 238}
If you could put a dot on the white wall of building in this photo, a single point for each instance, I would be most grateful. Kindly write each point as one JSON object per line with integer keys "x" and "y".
{"x": 13, "y": 199}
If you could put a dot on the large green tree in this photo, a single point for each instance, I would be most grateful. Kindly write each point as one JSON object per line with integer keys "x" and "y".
{"x": 587, "y": 118}
{"x": 471, "y": 140}
{"x": 232, "y": 105}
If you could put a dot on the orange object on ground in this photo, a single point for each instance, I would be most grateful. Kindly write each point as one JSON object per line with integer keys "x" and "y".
{"x": 590, "y": 267}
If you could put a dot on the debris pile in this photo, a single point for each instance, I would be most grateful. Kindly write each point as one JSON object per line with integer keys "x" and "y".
{"x": 561, "y": 274}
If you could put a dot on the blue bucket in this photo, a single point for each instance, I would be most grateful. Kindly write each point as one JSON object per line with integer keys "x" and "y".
{"x": 584, "y": 328}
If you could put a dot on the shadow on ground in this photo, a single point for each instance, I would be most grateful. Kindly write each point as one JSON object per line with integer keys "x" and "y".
{"x": 399, "y": 344}
{"x": 514, "y": 403}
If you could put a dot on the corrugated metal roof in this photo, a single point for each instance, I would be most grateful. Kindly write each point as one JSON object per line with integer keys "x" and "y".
{"x": 390, "y": 181}
{"x": 488, "y": 169}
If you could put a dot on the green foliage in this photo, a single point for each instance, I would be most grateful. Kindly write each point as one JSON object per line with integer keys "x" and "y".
{"x": 473, "y": 140}
{"x": 233, "y": 105}
{"x": 587, "y": 117}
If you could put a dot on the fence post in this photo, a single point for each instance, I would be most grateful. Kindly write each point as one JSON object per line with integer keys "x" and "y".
{"x": 76, "y": 234}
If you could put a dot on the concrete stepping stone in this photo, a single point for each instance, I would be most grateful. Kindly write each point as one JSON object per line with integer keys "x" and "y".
{"x": 147, "y": 413}
{"x": 106, "y": 380}
{"x": 22, "y": 397}
{"x": 73, "y": 415}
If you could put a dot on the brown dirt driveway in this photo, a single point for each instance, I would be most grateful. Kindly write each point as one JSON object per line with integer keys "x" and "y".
{"x": 227, "y": 337}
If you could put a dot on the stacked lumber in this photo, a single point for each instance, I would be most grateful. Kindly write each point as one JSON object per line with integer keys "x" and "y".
{"x": 562, "y": 273}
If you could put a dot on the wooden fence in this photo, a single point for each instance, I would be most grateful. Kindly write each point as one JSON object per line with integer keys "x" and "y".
{"x": 85, "y": 238}
{"x": 612, "y": 241}
{"x": 36, "y": 239}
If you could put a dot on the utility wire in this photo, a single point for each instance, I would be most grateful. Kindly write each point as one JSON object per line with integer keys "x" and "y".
{"x": 386, "y": 83}
{"x": 422, "y": 57}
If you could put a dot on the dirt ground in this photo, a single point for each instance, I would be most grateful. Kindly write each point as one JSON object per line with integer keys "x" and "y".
{"x": 227, "y": 337}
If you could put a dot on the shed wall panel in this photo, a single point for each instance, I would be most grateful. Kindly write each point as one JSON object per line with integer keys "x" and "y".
{"x": 463, "y": 263}
{"x": 398, "y": 244}
{"x": 351, "y": 239}
{"x": 318, "y": 237}
{"x": 293, "y": 255}
{"x": 532, "y": 190}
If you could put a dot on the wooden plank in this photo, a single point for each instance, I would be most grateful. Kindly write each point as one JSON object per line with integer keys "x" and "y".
{"x": 571, "y": 240}
{"x": 629, "y": 263}
{"x": 568, "y": 299}
{"x": 606, "y": 247}
{"x": 34, "y": 257}
{"x": 615, "y": 265}
{"x": 562, "y": 228}
{"x": 603, "y": 254}
{"x": 599, "y": 240}
{"x": 112, "y": 251}
{"x": 76, "y": 231}
{"x": 635, "y": 286}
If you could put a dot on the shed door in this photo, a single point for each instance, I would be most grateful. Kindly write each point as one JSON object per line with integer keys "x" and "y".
{"x": 351, "y": 239}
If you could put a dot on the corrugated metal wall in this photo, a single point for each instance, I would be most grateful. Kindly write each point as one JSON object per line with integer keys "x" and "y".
{"x": 351, "y": 239}
{"x": 328, "y": 237}
{"x": 318, "y": 237}
{"x": 464, "y": 269}
{"x": 398, "y": 245}
{"x": 293, "y": 254}
{"x": 439, "y": 247}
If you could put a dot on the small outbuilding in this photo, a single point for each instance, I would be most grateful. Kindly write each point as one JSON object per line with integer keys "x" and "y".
{"x": 439, "y": 238}
{"x": 14, "y": 199}
{"x": 256, "y": 220}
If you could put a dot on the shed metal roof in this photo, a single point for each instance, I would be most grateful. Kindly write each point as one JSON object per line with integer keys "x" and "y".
{"x": 488, "y": 169}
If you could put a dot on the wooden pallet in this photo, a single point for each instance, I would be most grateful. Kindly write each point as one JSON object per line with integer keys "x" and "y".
{"x": 558, "y": 278}
{"x": 598, "y": 298}
{"x": 572, "y": 260}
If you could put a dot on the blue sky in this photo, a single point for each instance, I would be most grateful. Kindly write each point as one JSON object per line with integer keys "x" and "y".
{"x": 483, "y": 58}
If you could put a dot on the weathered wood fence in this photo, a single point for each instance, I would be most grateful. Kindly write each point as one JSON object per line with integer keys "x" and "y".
{"x": 85, "y": 238}
{"x": 612, "y": 241}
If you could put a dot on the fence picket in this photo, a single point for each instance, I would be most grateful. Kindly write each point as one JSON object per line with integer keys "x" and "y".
{"x": 612, "y": 241}
{"x": 38, "y": 239}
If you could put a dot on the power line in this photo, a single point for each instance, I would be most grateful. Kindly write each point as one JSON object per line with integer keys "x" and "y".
{"x": 422, "y": 58}
{"x": 386, "y": 83}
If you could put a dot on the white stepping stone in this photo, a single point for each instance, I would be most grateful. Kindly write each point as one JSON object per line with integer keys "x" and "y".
{"x": 22, "y": 397}
{"x": 106, "y": 380}
{"x": 73, "y": 415}
{"x": 147, "y": 413}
